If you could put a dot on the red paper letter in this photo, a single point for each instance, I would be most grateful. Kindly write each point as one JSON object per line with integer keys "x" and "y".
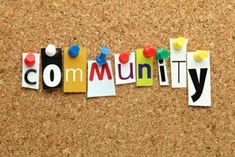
{"x": 94, "y": 67}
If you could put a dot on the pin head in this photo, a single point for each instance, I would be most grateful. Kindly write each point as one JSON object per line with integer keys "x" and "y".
{"x": 100, "y": 61}
{"x": 124, "y": 57}
{"x": 149, "y": 52}
{"x": 162, "y": 53}
{"x": 178, "y": 43}
{"x": 104, "y": 51}
{"x": 29, "y": 59}
{"x": 200, "y": 55}
{"x": 73, "y": 51}
{"x": 50, "y": 50}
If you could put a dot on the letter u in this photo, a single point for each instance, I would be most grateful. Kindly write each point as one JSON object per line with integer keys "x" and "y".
{"x": 127, "y": 77}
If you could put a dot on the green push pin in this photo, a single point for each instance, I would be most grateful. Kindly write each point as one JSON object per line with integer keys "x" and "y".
{"x": 162, "y": 53}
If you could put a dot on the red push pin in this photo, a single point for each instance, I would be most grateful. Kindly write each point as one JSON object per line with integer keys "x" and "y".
{"x": 149, "y": 52}
{"x": 124, "y": 57}
{"x": 29, "y": 59}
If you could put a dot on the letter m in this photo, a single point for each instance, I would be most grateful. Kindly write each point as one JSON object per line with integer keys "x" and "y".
{"x": 95, "y": 68}
{"x": 73, "y": 74}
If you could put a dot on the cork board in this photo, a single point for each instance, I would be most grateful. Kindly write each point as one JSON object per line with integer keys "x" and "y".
{"x": 153, "y": 121}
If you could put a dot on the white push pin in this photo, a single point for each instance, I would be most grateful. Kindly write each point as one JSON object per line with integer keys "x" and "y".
{"x": 50, "y": 50}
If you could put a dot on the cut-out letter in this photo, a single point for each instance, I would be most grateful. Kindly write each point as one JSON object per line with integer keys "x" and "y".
{"x": 100, "y": 75}
{"x": 144, "y": 69}
{"x": 75, "y": 71}
{"x": 51, "y": 69}
{"x": 100, "y": 84}
{"x": 162, "y": 72}
{"x": 199, "y": 83}
{"x": 30, "y": 74}
{"x": 178, "y": 65}
{"x": 125, "y": 73}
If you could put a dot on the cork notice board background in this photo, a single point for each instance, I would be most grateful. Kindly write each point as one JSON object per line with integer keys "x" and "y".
{"x": 153, "y": 121}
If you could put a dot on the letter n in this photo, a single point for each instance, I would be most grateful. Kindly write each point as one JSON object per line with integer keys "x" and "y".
{"x": 148, "y": 68}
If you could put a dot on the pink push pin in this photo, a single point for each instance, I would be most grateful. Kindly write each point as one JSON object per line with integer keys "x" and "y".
{"x": 29, "y": 59}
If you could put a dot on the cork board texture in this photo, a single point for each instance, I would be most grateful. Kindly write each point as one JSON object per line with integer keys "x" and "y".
{"x": 152, "y": 121}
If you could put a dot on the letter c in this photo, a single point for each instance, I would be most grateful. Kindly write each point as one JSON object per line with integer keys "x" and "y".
{"x": 26, "y": 76}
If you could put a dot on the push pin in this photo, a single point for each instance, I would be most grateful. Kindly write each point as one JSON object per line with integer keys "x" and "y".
{"x": 149, "y": 52}
{"x": 178, "y": 43}
{"x": 50, "y": 50}
{"x": 74, "y": 51}
{"x": 101, "y": 59}
{"x": 124, "y": 57}
{"x": 162, "y": 53}
{"x": 29, "y": 59}
{"x": 200, "y": 55}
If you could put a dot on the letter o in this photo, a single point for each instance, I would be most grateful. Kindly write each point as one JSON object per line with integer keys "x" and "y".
{"x": 57, "y": 75}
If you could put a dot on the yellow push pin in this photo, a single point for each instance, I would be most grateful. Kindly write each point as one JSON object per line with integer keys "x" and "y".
{"x": 200, "y": 55}
{"x": 178, "y": 43}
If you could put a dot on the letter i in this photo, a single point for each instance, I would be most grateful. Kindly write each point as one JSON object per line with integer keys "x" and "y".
{"x": 161, "y": 56}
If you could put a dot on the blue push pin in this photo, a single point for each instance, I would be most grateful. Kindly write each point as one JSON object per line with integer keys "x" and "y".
{"x": 101, "y": 59}
{"x": 74, "y": 51}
